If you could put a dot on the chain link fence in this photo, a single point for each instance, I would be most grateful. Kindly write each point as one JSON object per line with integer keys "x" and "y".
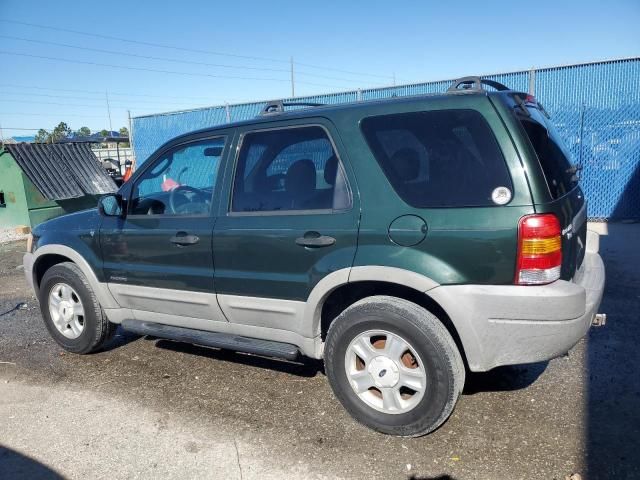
{"x": 595, "y": 106}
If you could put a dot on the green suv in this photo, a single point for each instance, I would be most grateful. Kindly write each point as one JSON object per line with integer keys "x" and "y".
{"x": 403, "y": 241}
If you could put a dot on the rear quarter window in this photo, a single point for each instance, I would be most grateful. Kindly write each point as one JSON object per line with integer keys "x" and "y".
{"x": 444, "y": 158}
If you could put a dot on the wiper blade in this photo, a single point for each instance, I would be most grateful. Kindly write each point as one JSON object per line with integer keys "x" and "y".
{"x": 544, "y": 112}
{"x": 574, "y": 170}
{"x": 522, "y": 105}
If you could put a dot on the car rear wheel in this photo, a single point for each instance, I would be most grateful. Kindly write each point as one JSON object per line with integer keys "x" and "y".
{"x": 71, "y": 310}
{"x": 394, "y": 366}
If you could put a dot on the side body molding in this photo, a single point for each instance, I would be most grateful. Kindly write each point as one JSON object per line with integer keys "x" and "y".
{"x": 101, "y": 290}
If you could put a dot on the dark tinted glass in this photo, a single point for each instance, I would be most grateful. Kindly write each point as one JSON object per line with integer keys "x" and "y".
{"x": 288, "y": 169}
{"x": 445, "y": 158}
{"x": 554, "y": 158}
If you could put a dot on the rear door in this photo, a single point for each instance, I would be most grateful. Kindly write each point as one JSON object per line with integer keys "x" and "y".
{"x": 566, "y": 198}
{"x": 291, "y": 219}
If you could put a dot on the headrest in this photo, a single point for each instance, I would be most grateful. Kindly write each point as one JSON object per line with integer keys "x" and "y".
{"x": 331, "y": 170}
{"x": 406, "y": 163}
{"x": 300, "y": 177}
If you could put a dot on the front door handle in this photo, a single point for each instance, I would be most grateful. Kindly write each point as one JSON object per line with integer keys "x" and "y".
{"x": 315, "y": 240}
{"x": 182, "y": 239}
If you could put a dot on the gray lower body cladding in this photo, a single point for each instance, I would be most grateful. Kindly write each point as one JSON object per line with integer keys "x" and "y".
{"x": 508, "y": 325}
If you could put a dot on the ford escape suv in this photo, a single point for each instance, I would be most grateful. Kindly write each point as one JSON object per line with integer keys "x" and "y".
{"x": 403, "y": 241}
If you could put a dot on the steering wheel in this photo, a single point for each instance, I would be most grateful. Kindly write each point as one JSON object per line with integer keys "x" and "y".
{"x": 193, "y": 196}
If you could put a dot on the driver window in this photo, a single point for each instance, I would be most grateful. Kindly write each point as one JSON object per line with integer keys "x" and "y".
{"x": 181, "y": 182}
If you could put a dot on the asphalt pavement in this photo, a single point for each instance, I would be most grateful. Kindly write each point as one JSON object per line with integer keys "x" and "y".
{"x": 149, "y": 408}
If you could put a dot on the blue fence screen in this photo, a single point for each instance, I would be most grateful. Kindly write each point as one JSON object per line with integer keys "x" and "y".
{"x": 595, "y": 107}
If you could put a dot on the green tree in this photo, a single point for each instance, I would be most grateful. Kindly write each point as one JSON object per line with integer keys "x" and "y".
{"x": 124, "y": 132}
{"x": 83, "y": 132}
{"x": 42, "y": 136}
{"x": 104, "y": 132}
{"x": 61, "y": 131}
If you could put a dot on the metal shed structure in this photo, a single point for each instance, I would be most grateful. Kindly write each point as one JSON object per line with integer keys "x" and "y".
{"x": 43, "y": 181}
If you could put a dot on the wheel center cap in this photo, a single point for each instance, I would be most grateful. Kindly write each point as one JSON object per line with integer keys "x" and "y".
{"x": 66, "y": 310}
{"x": 384, "y": 371}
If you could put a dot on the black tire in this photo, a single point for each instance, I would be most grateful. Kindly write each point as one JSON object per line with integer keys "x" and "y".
{"x": 445, "y": 372}
{"x": 97, "y": 329}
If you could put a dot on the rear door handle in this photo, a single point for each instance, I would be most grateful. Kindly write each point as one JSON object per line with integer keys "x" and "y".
{"x": 315, "y": 240}
{"x": 182, "y": 239}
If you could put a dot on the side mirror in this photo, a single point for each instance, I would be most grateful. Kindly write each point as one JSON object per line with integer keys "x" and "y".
{"x": 111, "y": 205}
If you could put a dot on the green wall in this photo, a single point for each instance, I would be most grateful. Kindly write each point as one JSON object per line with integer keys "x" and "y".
{"x": 15, "y": 211}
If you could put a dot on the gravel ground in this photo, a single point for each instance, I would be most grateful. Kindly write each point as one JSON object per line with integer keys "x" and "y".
{"x": 10, "y": 235}
{"x": 148, "y": 408}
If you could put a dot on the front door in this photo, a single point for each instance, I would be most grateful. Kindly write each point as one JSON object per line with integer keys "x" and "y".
{"x": 158, "y": 258}
{"x": 292, "y": 218}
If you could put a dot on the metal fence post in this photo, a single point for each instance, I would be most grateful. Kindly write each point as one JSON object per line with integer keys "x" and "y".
{"x": 227, "y": 112}
{"x": 532, "y": 81}
{"x": 131, "y": 144}
{"x": 582, "y": 108}
{"x": 359, "y": 95}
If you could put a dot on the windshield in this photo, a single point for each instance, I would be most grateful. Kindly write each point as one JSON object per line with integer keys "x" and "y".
{"x": 561, "y": 175}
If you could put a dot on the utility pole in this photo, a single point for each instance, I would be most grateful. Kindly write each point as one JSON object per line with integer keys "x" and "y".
{"x": 106, "y": 94}
{"x": 1, "y": 134}
{"x": 394, "y": 79}
{"x": 293, "y": 88}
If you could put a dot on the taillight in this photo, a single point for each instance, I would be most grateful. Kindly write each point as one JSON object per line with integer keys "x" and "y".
{"x": 539, "y": 250}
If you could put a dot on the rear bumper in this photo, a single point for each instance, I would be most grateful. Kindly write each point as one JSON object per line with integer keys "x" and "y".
{"x": 507, "y": 325}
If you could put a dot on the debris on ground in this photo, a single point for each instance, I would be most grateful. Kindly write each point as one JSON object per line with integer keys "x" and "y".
{"x": 12, "y": 235}
{"x": 19, "y": 306}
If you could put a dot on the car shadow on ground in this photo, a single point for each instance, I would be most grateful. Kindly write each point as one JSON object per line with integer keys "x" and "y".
{"x": 121, "y": 338}
{"x": 16, "y": 465}
{"x": 500, "y": 379}
{"x": 304, "y": 367}
{"x": 503, "y": 379}
{"x": 438, "y": 477}
{"x": 612, "y": 381}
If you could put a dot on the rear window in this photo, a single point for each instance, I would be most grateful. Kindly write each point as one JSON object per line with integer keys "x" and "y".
{"x": 554, "y": 158}
{"x": 444, "y": 158}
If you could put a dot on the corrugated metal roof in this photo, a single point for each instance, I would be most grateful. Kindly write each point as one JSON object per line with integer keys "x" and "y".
{"x": 62, "y": 171}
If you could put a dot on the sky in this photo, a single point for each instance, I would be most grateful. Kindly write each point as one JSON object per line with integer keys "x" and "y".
{"x": 209, "y": 53}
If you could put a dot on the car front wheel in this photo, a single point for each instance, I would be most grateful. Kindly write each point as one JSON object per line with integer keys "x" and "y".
{"x": 71, "y": 310}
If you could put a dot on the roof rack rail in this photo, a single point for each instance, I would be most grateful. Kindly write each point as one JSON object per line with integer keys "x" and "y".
{"x": 474, "y": 84}
{"x": 277, "y": 106}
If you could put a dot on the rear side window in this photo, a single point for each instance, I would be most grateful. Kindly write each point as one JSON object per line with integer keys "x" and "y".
{"x": 289, "y": 169}
{"x": 554, "y": 158}
{"x": 444, "y": 158}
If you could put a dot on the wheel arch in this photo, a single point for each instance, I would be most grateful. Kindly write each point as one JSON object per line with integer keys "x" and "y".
{"x": 49, "y": 255}
{"x": 343, "y": 288}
